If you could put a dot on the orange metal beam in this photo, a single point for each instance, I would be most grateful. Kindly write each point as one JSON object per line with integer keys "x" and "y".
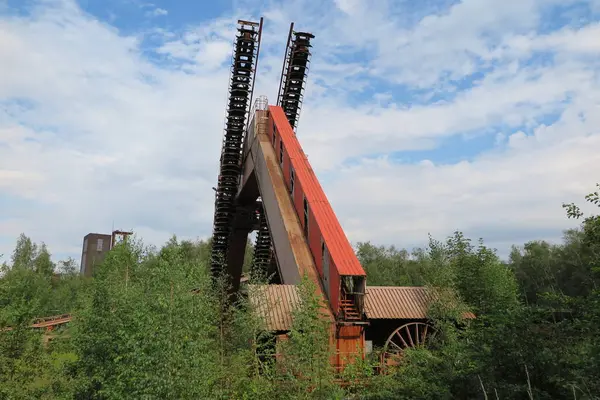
{"x": 47, "y": 322}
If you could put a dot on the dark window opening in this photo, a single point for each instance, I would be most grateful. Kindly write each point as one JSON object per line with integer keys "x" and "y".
{"x": 281, "y": 153}
{"x": 306, "y": 217}
{"x": 325, "y": 266}
{"x": 292, "y": 181}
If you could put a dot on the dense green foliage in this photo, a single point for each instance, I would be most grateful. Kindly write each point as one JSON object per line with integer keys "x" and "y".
{"x": 139, "y": 331}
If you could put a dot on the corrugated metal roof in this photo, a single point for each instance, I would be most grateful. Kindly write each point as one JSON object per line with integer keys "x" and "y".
{"x": 276, "y": 302}
{"x": 339, "y": 247}
{"x": 387, "y": 302}
{"x": 399, "y": 302}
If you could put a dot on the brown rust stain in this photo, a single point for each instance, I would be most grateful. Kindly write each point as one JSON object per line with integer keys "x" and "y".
{"x": 295, "y": 235}
{"x": 299, "y": 245}
{"x": 350, "y": 343}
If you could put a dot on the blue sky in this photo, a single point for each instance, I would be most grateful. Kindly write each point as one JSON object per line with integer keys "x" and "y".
{"x": 419, "y": 117}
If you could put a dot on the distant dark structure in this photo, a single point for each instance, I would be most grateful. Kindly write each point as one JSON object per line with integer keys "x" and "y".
{"x": 95, "y": 247}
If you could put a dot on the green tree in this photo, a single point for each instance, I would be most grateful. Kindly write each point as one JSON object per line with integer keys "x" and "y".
{"x": 42, "y": 263}
{"x": 24, "y": 254}
{"x": 68, "y": 266}
{"x": 140, "y": 331}
{"x": 146, "y": 333}
{"x": 389, "y": 266}
{"x": 306, "y": 365}
{"x": 24, "y": 294}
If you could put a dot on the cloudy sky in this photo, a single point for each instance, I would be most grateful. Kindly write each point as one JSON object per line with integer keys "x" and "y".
{"x": 419, "y": 117}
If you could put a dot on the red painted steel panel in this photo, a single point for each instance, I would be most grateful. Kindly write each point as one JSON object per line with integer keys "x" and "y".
{"x": 349, "y": 345}
{"x": 314, "y": 240}
{"x": 349, "y": 338}
{"x": 334, "y": 287}
{"x": 342, "y": 255}
{"x": 298, "y": 198}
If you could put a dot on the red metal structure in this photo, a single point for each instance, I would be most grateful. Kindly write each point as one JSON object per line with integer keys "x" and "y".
{"x": 339, "y": 271}
{"x": 267, "y": 184}
{"x": 307, "y": 238}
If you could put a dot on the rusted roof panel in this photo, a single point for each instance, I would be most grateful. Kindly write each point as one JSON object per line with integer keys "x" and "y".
{"x": 387, "y": 302}
{"x": 339, "y": 247}
{"x": 399, "y": 302}
{"x": 275, "y": 303}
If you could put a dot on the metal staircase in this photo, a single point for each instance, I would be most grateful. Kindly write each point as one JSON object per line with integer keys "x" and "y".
{"x": 349, "y": 310}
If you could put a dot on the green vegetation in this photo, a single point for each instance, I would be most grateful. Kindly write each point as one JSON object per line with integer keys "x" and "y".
{"x": 138, "y": 331}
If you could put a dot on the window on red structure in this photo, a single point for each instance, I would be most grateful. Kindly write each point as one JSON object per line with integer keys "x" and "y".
{"x": 281, "y": 153}
{"x": 305, "y": 217}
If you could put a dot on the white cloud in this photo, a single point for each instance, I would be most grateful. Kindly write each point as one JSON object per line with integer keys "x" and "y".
{"x": 518, "y": 190}
{"x": 113, "y": 146}
{"x": 91, "y": 131}
{"x": 350, "y": 6}
{"x": 157, "y": 12}
{"x": 512, "y": 99}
